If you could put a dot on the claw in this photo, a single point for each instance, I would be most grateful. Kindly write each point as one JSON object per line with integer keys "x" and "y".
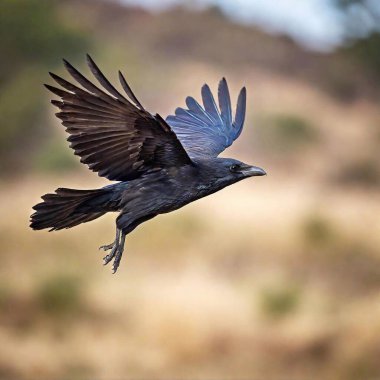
{"x": 107, "y": 247}
{"x": 110, "y": 256}
{"x": 117, "y": 251}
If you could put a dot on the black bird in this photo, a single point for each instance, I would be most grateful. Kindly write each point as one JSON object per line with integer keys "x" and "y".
{"x": 160, "y": 165}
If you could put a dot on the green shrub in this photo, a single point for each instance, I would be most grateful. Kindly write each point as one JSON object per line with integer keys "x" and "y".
{"x": 294, "y": 130}
{"x": 287, "y": 132}
{"x": 20, "y": 109}
{"x": 60, "y": 295}
{"x": 317, "y": 230}
{"x": 279, "y": 302}
{"x": 366, "y": 52}
{"x": 33, "y": 36}
{"x": 56, "y": 156}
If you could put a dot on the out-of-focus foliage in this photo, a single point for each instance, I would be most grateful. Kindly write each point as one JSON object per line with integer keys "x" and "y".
{"x": 287, "y": 132}
{"x": 366, "y": 51}
{"x": 318, "y": 231}
{"x": 60, "y": 295}
{"x": 33, "y": 37}
{"x": 54, "y": 156}
{"x": 293, "y": 130}
{"x": 362, "y": 24}
{"x": 32, "y": 33}
{"x": 279, "y": 301}
{"x": 363, "y": 172}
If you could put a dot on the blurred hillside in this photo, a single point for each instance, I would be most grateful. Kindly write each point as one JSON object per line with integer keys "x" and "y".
{"x": 209, "y": 36}
{"x": 151, "y": 49}
{"x": 32, "y": 35}
{"x": 277, "y": 277}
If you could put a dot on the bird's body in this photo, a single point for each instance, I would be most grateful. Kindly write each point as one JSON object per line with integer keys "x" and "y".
{"x": 160, "y": 168}
{"x": 167, "y": 190}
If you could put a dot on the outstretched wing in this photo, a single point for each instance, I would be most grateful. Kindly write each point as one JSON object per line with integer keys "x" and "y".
{"x": 206, "y": 131}
{"x": 114, "y": 135}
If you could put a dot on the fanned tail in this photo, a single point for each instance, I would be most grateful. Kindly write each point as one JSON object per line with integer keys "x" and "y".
{"x": 67, "y": 208}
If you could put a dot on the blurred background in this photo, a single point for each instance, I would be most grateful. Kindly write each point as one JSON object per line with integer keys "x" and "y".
{"x": 275, "y": 277}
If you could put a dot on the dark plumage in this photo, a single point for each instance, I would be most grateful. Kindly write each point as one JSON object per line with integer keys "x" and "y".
{"x": 160, "y": 165}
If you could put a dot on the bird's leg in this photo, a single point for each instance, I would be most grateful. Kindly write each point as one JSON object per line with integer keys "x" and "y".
{"x": 110, "y": 246}
{"x": 117, "y": 250}
{"x": 118, "y": 253}
{"x": 114, "y": 246}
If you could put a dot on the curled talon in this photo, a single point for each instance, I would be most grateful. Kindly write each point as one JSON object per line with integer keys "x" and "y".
{"x": 106, "y": 247}
{"x": 109, "y": 257}
{"x": 106, "y": 260}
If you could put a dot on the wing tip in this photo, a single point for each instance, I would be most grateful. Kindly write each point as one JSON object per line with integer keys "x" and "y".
{"x": 54, "y": 76}
{"x": 69, "y": 67}
{"x": 91, "y": 63}
{"x": 205, "y": 87}
{"x": 52, "y": 89}
{"x": 223, "y": 86}
{"x": 89, "y": 60}
{"x": 243, "y": 96}
{"x": 56, "y": 103}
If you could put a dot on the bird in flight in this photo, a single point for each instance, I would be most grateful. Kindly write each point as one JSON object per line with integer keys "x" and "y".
{"x": 159, "y": 165}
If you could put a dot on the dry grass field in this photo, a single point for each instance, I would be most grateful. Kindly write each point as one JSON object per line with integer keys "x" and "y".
{"x": 254, "y": 281}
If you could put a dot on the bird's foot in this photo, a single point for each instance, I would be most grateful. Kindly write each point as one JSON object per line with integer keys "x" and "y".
{"x": 116, "y": 253}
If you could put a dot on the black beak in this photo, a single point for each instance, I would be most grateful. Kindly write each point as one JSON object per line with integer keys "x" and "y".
{"x": 253, "y": 171}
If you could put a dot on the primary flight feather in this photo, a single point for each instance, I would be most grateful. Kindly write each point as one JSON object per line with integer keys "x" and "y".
{"x": 160, "y": 165}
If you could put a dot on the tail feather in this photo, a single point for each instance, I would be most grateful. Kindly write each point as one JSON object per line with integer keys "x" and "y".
{"x": 67, "y": 208}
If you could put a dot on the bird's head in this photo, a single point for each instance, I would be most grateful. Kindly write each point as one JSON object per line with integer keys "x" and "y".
{"x": 239, "y": 170}
{"x": 227, "y": 171}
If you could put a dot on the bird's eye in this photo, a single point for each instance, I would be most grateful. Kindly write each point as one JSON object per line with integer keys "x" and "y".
{"x": 235, "y": 167}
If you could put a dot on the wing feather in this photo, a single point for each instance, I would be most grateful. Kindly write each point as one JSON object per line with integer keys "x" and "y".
{"x": 103, "y": 80}
{"x": 113, "y": 136}
{"x": 225, "y": 102}
{"x": 209, "y": 103}
{"x": 128, "y": 91}
{"x": 207, "y": 131}
{"x": 240, "y": 111}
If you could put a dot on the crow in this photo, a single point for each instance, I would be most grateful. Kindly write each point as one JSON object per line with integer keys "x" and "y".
{"x": 159, "y": 165}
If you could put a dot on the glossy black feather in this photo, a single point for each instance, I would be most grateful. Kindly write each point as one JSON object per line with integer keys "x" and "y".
{"x": 128, "y": 90}
{"x": 112, "y": 136}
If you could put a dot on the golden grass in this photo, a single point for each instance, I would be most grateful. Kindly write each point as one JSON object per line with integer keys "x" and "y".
{"x": 195, "y": 295}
